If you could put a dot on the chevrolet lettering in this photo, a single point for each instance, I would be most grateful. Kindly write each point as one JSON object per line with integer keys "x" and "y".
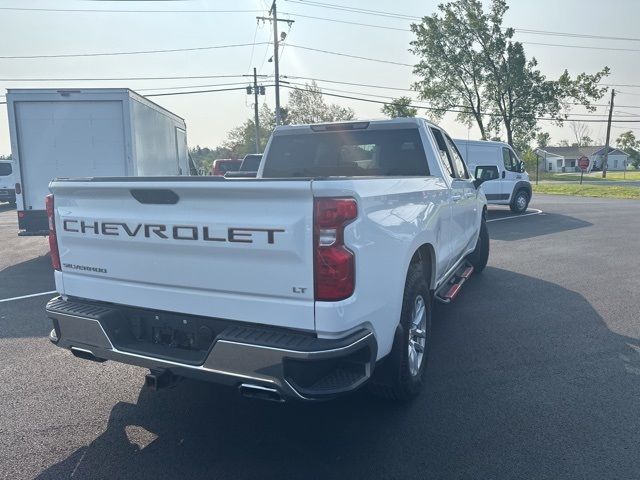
{"x": 175, "y": 232}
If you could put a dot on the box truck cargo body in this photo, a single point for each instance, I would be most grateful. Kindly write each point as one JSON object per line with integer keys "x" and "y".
{"x": 96, "y": 132}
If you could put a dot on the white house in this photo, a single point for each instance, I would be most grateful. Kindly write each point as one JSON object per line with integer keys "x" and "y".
{"x": 565, "y": 159}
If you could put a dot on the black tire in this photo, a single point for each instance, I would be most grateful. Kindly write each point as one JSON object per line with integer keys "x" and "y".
{"x": 480, "y": 256}
{"x": 520, "y": 202}
{"x": 394, "y": 379}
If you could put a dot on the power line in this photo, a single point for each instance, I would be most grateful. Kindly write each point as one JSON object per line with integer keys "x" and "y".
{"x": 583, "y": 47}
{"x": 195, "y": 92}
{"x": 351, "y": 56}
{"x": 312, "y": 17}
{"x": 112, "y": 79}
{"x": 384, "y": 87}
{"x": 575, "y": 35}
{"x": 462, "y": 111}
{"x": 139, "y": 52}
{"x": 253, "y": 46}
{"x": 333, "y": 6}
{"x": 519, "y": 30}
{"x": 183, "y": 87}
{"x": 95, "y": 10}
{"x": 628, "y": 93}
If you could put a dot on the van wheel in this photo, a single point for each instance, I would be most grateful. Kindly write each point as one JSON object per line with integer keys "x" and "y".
{"x": 401, "y": 375}
{"x": 480, "y": 255}
{"x": 520, "y": 202}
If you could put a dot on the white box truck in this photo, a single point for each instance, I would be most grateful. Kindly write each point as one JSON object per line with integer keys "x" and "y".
{"x": 93, "y": 132}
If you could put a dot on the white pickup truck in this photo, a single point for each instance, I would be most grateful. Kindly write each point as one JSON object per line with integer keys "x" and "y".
{"x": 307, "y": 282}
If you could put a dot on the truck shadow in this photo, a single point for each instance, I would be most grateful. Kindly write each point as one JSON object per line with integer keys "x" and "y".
{"x": 31, "y": 276}
{"x": 531, "y": 226}
{"x": 5, "y": 207}
{"x": 530, "y": 385}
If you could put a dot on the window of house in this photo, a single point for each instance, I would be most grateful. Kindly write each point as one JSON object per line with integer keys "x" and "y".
{"x": 550, "y": 166}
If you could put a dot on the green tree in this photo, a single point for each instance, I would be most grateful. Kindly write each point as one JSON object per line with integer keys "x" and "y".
{"x": 203, "y": 157}
{"x": 241, "y": 141}
{"x": 628, "y": 143}
{"x": 543, "y": 139}
{"x": 450, "y": 68}
{"x": 530, "y": 159}
{"x": 307, "y": 105}
{"x": 400, "y": 107}
{"x": 470, "y": 63}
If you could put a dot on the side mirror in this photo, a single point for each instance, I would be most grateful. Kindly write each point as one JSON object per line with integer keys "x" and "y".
{"x": 485, "y": 173}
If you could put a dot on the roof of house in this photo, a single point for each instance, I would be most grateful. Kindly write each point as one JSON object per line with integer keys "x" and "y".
{"x": 576, "y": 152}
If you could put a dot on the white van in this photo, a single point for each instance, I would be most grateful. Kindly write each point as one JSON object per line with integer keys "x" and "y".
{"x": 7, "y": 183}
{"x": 505, "y": 180}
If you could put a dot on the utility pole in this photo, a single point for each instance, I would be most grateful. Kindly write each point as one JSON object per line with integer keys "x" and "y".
{"x": 255, "y": 108}
{"x": 276, "y": 44}
{"x": 606, "y": 146}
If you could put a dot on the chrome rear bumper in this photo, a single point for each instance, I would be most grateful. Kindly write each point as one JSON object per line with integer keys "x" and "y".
{"x": 296, "y": 365}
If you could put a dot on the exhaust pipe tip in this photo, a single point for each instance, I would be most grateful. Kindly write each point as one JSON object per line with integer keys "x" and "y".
{"x": 262, "y": 393}
{"x": 85, "y": 354}
{"x": 53, "y": 336}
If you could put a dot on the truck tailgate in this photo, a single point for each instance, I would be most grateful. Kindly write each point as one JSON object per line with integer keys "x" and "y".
{"x": 239, "y": 250}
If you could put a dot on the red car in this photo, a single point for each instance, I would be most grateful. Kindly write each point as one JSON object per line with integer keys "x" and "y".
{"x": 224, "y": 165}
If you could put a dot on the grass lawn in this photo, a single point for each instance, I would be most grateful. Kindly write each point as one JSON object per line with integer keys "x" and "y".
{"x": 595, "y": 176}
{"x": 604, "y": 191}
{"x": 630, "y": 175}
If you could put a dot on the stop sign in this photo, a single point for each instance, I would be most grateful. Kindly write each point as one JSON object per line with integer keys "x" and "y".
{"x": 583, "y": 163}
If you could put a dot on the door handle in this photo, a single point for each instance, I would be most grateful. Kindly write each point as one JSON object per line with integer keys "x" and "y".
{"x": 456, "y": 198}
{"x": 504, "y": 174}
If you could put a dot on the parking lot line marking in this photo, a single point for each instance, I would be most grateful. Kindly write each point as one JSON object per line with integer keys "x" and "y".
{"x": 27, "y": 296}
{"x": 537, "y": 212}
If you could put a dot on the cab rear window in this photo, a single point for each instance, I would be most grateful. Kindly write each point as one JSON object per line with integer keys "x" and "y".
{"x": 397, "y": 152}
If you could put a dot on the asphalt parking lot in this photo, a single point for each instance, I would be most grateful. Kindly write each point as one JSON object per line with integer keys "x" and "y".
{"x": 534, "y": 373}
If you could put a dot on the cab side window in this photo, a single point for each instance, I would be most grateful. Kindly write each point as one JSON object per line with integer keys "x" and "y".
{"x": 517, "y": 165}
{"x": 511, "y": 162}
{"x": 443, "y": 151}
{"x": 458, "y": 164}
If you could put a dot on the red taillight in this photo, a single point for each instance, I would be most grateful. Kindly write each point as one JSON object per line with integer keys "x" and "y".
{"x": 53, "y": 238}
{"x": 334, "y": 263}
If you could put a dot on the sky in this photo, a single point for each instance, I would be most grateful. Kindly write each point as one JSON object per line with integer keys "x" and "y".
{"x": 209, "y": 116}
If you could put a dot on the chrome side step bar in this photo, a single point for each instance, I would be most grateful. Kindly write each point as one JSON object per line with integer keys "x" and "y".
{"x": 449, "y": 290}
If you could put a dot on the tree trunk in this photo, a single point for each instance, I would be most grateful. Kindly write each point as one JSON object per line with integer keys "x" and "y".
{"x": 507, "y": 127}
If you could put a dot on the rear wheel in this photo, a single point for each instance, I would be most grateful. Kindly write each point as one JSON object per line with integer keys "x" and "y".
{"x": 402, "y": 374}
{"x": 520, "y": 202}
